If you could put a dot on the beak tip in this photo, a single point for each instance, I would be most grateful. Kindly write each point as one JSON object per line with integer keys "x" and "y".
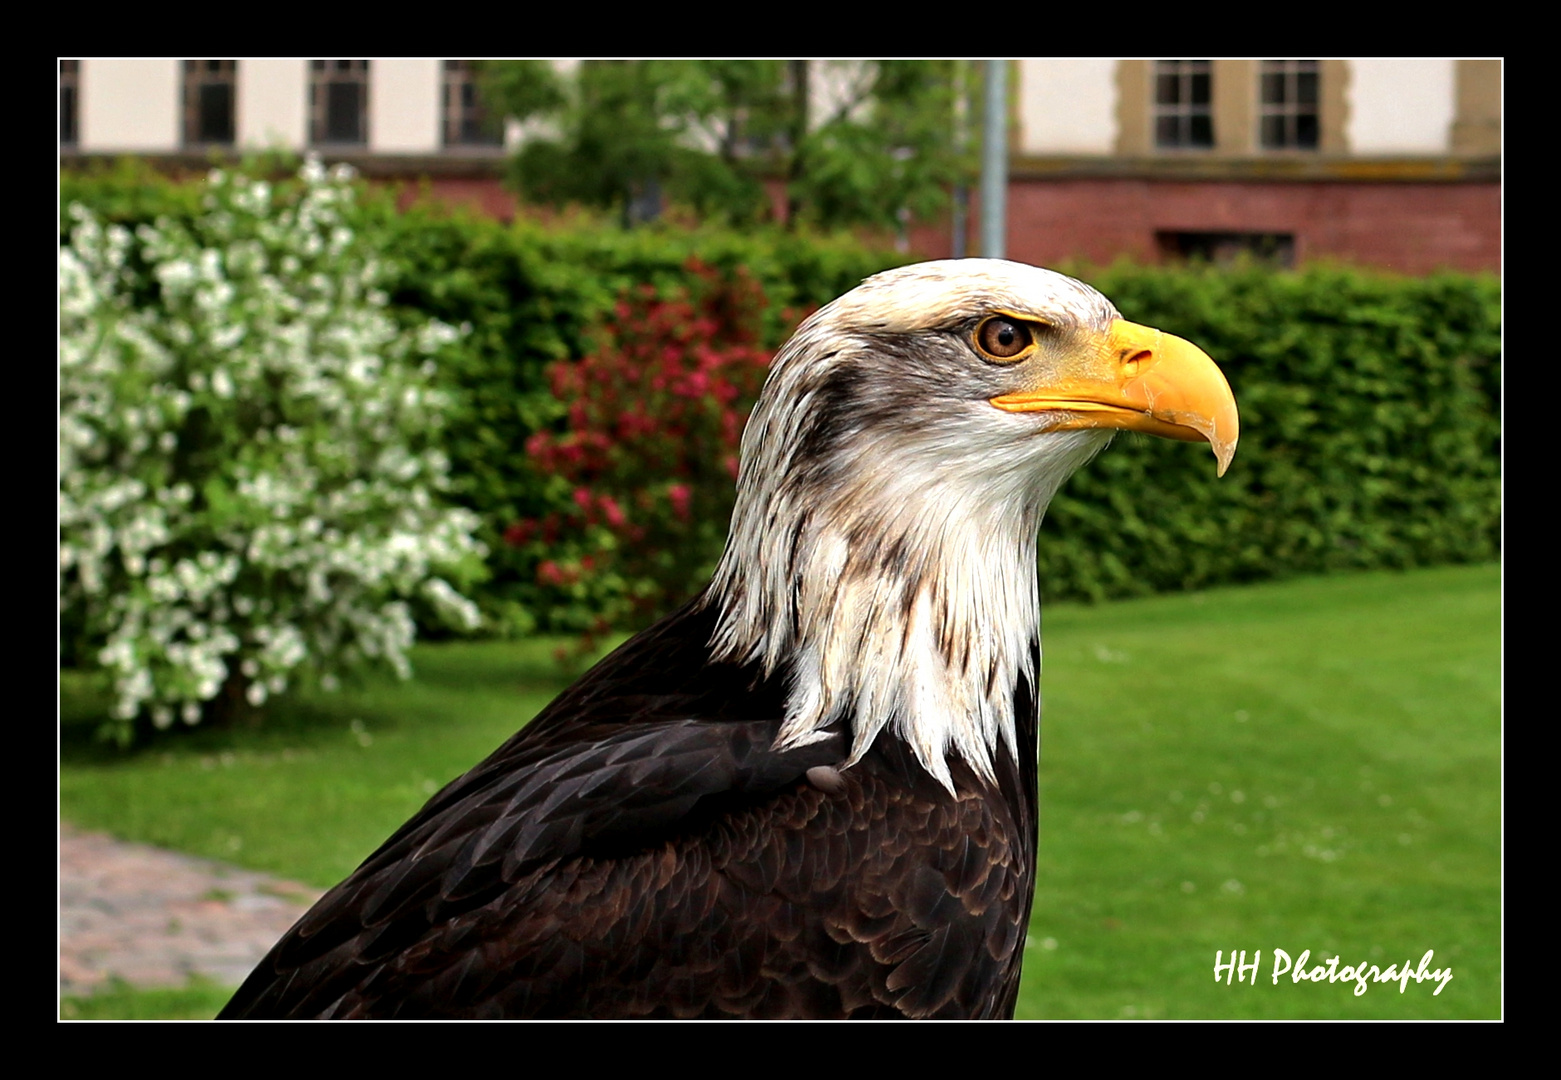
{"x": 1223, "y": 455}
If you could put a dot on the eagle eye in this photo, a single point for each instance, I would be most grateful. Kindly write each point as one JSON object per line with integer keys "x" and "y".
{"x": 1004, "y": 338}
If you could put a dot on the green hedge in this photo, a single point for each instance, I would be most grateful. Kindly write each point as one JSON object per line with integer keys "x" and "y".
{"x": 1369, "y": 404}
{"x": 1370, "y": 435}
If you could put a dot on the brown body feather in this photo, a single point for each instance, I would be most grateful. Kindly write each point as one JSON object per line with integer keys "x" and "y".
{"x": 640, "y": 850}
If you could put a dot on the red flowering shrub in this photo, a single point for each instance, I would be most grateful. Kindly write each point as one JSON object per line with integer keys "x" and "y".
{"x": 643, "y": 472}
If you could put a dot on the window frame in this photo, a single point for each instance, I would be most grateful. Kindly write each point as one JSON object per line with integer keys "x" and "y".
{"x": 1289, "y": 123}
{"x": 1184, "y": 112}
{"x": 70, "y": 102}
{"x": 462, "y": 115}
{"x": 324, "y": 74}
{"x": 198, "y": 75}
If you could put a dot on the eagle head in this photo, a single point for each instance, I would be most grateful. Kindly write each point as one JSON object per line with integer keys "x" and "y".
{"x": 894, "y": 474}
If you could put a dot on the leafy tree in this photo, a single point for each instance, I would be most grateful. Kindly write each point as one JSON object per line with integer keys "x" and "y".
{"x": 849, "y": 142}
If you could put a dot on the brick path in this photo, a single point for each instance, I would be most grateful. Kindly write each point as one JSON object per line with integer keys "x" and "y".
{"x": 154, "y": 917}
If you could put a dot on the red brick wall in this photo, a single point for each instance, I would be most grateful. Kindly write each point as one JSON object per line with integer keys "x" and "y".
{"x": 486, "y": 196}
{"x": 1412, "y": 228}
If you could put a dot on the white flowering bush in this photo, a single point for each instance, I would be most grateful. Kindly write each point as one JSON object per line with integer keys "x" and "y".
{"x": 250, "y": 478}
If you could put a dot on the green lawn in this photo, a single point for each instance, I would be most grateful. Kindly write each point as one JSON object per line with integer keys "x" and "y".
{"x": 1311, "y": 765}
{"x": 198, "y": 1001}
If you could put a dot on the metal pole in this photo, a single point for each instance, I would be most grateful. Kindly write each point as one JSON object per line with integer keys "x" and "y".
{"x": 994, "y": 162}
{"x": 960, "y": 241}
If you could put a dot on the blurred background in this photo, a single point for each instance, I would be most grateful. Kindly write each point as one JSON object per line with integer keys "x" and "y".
{"x": 394, "y": 390}
{"x": 1393, "y": 163}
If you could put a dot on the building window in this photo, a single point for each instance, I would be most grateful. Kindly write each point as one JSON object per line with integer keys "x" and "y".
{"x": 339, "y": 102}
{"x": 70, "y": 82}
{"x": 1288, "y": 99}
{"x": 465, "y": 119}
{"x": 209, "y": 91}
{"x": 1183, "y": 105}
{"x": 1224, "y": 248}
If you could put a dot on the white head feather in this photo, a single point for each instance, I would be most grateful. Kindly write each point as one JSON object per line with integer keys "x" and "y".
{"x": 883, "y": 540}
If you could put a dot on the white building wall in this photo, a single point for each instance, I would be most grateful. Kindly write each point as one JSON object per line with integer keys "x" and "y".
{"x": 1401, "y": 106}
{"x": 404, "y": 100}
{"x": 1067, "y": 106}
{"x": 130, "y": 105}
{"x": 272, "y": 106}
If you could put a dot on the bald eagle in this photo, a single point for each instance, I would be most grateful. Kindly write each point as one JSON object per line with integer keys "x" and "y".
{"x": 811, "y": 792}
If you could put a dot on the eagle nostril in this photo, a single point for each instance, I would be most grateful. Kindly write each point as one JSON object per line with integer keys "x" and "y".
{"x": 1135, "y": 362}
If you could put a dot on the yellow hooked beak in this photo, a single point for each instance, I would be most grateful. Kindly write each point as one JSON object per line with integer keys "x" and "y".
{"x": 1140, "y": 379}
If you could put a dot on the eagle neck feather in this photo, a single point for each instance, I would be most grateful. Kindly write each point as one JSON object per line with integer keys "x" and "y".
{"x": 893, "y": 574}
